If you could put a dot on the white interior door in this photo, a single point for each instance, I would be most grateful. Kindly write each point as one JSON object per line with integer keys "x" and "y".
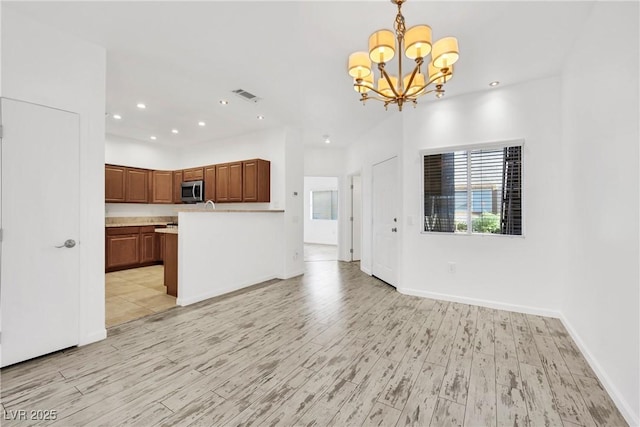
{"x": 39, "y": 281}
{"x": 385, "y": 220}
{"x": 356, "y": 215}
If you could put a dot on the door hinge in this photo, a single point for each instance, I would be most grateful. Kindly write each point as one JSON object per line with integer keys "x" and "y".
{"x": 352, "y": 186}
{"x": 350, "y": 251}
{"x": 1, "y": 131}
{"x": 1, "y": 234}
{"x": 350, "y": 218}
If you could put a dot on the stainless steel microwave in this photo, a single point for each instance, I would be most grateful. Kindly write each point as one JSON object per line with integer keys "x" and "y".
{"x": 192, "y": 192}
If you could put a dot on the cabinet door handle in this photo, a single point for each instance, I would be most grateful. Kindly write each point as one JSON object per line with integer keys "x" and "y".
{"x": 394, "y": 229}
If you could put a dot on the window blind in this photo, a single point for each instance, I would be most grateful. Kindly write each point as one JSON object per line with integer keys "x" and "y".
{"x": 474, "y": 191}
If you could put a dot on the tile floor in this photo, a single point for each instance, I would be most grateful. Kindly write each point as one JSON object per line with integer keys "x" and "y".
{"x": 314, "y": 252}
{"x": 135, "y": 293}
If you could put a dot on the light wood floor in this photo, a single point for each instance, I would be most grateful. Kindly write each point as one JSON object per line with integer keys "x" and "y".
{"x": 334, "y": 347}
{"x": 135, "y": 293}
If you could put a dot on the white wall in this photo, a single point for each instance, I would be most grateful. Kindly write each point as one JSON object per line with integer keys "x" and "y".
{"x": 322, "y": 231}
{"x": 221, "y": 252}
{"x": 43, "y": 66}
{"x": 293, "y": 200}
{"x": 522, "y": 272}
{"x": 147, "y": 155}
{"x": 600, "y": 149}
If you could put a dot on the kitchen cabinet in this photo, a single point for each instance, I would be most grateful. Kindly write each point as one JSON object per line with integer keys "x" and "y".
{"x": 210, "y": 182}
{"x": 241, "y": 181}
{"x": 158, "y": 254}
{"x": 171, "y": 263}
{"x": 136, "y": 186}
{"x": 147, "y": 244}
{"x": 177, "y": 187}
{"x": 222, "y": 183}
{"x": 122, "y": 247}
{"x": 162, "y": 187}
{"x": 256, "y": 181}
{"x": 235, "y": 182}
{"x": 194, "y": 174}
{"x": 229, "y": 182}
{"x": 114, "y": 184}
{"x": 132, "y": 247}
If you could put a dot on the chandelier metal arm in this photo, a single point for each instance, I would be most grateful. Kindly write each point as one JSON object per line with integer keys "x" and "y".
{"x": 431, "y": 80}
{"x": 388, "y": 79}
{"x": 385, "y": 97}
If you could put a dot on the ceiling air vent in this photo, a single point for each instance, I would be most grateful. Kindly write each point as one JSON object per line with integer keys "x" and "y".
{"x": 247, "y": 96}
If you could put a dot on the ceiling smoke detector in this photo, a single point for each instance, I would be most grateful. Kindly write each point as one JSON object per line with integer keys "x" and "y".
{"x": 247, "y": 96}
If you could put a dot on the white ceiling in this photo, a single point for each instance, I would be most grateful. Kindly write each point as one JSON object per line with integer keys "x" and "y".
{"x": 181, "y": 58}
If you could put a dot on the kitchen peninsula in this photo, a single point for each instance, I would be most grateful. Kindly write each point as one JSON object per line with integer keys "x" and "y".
{"x": 223, "y": 250}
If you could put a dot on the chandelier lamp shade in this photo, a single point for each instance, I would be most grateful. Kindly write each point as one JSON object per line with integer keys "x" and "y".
{"x": 433, "y": 64}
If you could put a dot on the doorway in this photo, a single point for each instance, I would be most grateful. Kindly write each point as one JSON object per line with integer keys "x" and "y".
{"x": 321, "y": 218}
{"x": 385, "y": 221}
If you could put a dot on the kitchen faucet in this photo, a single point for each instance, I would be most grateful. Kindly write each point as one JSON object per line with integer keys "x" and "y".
{"x": 213, "y": 205}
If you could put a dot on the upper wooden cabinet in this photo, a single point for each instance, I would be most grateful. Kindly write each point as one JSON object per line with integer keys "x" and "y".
{"x": 177, "y": 187}
{"x": 228, "y": 182}
{"x": 162, "y": 187}
{"x": 222, "y": 183}
{"x": 137, "y": 186}
{"x": 210, "y": 182}
{"x": 235, "y": 182}
{"x": 114, "y": 183}
{"x": 256, "y": 181}
{"x": 195, "y": 174}
{"x": 243, "y": 181}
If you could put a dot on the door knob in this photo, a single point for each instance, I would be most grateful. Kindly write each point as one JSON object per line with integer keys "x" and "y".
{"x": 69, "y": 243}
{"x": 394, "y": 229}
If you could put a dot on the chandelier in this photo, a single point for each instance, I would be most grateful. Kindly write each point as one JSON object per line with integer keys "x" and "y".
{"x": 416, "y": 42}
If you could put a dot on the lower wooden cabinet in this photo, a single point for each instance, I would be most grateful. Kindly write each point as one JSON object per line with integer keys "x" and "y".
{"x": 132, "y": 247}
{"x": 122, "y": 247}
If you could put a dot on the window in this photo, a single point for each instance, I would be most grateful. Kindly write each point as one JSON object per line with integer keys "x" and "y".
{"x": 324, "y": 204}
{"x": 473, "y": 191}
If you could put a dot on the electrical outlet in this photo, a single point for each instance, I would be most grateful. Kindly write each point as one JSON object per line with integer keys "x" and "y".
{"x": 452, "y": 267}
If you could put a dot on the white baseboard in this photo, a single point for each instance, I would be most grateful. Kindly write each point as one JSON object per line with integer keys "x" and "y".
{"x": 93, "y": 337}
{"x": 365, "y": 270}
{"x": 290, "y": 275}
{"x": 481, "y": 302}
{"x": 217, "y": 292}
{"x": 620, "y": 402}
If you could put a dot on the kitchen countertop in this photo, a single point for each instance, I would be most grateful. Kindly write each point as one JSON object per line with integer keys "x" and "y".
{"x": 170, "y": 230}
{"x": 231, "y": 210}
{"x": 139, "y": 221}
{"x": 134, "y": 224}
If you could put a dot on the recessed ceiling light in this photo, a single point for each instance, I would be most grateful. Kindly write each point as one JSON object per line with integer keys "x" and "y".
{"x": 224, "y": 102}
{"x": 153, "y": 137}
{"x": 260, "y": 117}
{"x": 141, "y": 106}
{"x": 174, "y": 130}
{"x": 494, "y": 84}
{"x": 326, "y": 139}
{"x": 117, "y": 116}
{"x": 202, "y": 124}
